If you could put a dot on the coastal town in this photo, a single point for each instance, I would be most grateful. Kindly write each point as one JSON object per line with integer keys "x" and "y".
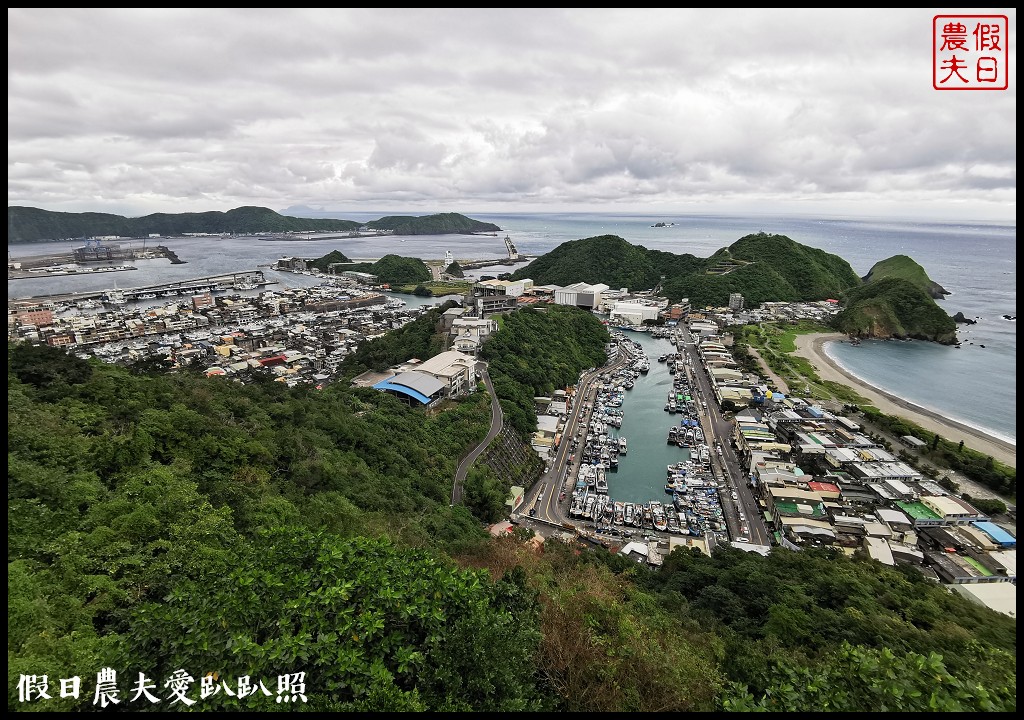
{"x": 511, "y": 360}
{"x": 762, "y": 467}
{"x": 794, "y": 474}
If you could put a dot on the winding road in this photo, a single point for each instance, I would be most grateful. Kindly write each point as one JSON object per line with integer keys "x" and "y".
{"x": 467, "y": 462}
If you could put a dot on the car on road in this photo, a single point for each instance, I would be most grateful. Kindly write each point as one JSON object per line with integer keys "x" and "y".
{"x": 734, "y": 495}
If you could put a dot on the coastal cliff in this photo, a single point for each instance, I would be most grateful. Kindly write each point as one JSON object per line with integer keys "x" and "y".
{"x": 894, "y": 307}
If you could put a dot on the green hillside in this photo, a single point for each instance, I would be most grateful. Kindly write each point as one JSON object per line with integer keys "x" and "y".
{"x": 323, "y": 263}
{"x": 762, "y": 267}
{"x": 28, "y": 224}
{"x": 25, "y": 224}
{"x": 894, "y": 307}
{"x": 440, "y": 224}
{"x": 604, "y": 259}
{"x": 395, "y": 270}
{"x": 902, "y": 266}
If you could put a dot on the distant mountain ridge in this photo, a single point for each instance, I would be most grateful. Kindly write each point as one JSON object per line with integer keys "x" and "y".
{"x": 29, "y": 224}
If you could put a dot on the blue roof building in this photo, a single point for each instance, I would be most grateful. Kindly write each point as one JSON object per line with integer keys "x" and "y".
{"x": 998, "y": 535}
{"x": 413, "y": 385}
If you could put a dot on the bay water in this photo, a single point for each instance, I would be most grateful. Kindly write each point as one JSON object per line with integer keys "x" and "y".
{"x": 975, "y": 262}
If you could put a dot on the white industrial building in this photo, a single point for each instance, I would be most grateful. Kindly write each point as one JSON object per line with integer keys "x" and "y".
{"x": 633, "y": 312}
{"x": 581, "y": 295}
{"x": 511, "y": 288}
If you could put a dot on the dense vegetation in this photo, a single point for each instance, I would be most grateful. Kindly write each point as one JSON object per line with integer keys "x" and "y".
{"x": 323, "y": 263}
{"x": 905, "y": 267}
{"x": 894, "y": 307}
{"x": 29, "y": 224}
{"x": 455, "y": 270}
{"x": 537, "y": 352}
{"x": 395, "y": 270}
{"x": 178, "y": 521}
{"x": 604, "y": 259}
{"x": 762, "y": 267}
{"x": 123, "y": 488}
{"x": 439, "y": 224}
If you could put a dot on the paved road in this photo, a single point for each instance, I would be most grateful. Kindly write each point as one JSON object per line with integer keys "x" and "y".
{"x": 561, "y": 475}
{"x": 727, "y": 467}
{"x": 467, "y": 462}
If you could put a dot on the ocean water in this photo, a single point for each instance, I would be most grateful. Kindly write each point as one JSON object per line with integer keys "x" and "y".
{"x": 975, "y": 262}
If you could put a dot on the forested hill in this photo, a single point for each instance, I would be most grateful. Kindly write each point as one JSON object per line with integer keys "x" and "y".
{"x": 440, "y": 224}
{"x": 894, "y": 300}
{"x": 905, "y": 267}
{"x": 762, "y": 267}
{"x": 603, "y": 259}
{"x": 29, "y": 224}
{"x": 894, "y": 307}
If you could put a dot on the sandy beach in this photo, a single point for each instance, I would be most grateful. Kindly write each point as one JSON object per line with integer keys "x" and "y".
{"x": 810, "y": 347}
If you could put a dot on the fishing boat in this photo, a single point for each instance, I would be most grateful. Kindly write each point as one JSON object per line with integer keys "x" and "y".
{"x": 577, "y": 506}
{"x": 619, "y": 512}
{"x": 628, "y": 511}
{"x": 114, "y": 296}
{"x": 608, "y": 511}
{"x": 672, "y": 521}
{"x": 658, "y": 515}
{"x": 622, "y": 446}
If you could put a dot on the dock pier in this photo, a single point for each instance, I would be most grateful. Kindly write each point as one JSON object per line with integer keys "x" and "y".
{"x": 190, "y": 286}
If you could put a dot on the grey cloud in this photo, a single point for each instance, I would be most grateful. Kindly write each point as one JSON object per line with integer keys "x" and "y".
{"x": 523, "y": 108}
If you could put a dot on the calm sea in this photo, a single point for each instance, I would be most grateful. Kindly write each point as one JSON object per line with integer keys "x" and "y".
{"x": 976, "y": 262}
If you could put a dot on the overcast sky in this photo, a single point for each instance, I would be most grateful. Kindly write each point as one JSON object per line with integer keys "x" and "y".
{"x": 415, "y": 111}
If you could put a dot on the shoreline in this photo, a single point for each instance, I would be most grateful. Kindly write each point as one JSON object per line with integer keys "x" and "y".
{"x": 811, "y": 348}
